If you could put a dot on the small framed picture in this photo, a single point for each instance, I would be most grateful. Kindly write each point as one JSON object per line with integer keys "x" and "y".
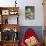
{"x": 5, "y": 12}
{"x": 29, "y": 12}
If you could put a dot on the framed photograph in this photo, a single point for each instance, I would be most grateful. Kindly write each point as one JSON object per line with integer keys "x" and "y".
{"x": 5, "y": 12}
{"x": 29, "y": 12}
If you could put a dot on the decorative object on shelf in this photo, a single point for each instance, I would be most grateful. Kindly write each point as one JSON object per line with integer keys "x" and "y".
{"x": 15, "y": 34}
{"x": 13, "y": 12}
{"x": 15, "y": 30}
{"x": 5, "y": 12}
{"x": 15, "y": 37}
{"x": 7, "y": 34}
{"x": 29, "y": 12}
{"x": 6, "y": 21}
{"x": 15, "y": 3}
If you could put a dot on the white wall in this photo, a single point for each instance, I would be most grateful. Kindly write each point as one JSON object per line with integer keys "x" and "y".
{"x": 38, "y": 21}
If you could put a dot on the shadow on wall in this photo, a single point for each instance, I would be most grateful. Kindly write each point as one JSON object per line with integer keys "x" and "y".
{"x": 37, "y": 29}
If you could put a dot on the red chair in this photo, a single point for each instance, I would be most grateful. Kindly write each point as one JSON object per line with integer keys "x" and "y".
{"x": 29, "y": 33}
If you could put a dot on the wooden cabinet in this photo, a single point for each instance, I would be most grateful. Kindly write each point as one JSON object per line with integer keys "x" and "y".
{"x": 9, "y": 27}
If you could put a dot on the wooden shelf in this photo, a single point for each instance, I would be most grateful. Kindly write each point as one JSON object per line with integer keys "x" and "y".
{"x": 10, "y": 9}
{"x": 4, "y": 8}
{"x": 10, "y": 43}
{"x": 11, "y": 26}
{"x": 4, "y": 13}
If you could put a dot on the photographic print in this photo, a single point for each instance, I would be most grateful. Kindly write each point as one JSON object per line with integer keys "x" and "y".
{"x": 5, "y": 12}
{"x": 29, "y": 12}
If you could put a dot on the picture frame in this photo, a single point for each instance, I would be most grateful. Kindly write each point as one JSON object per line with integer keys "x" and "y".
{"x": 29, "y": 12}
{"x": 5, "y": 12}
